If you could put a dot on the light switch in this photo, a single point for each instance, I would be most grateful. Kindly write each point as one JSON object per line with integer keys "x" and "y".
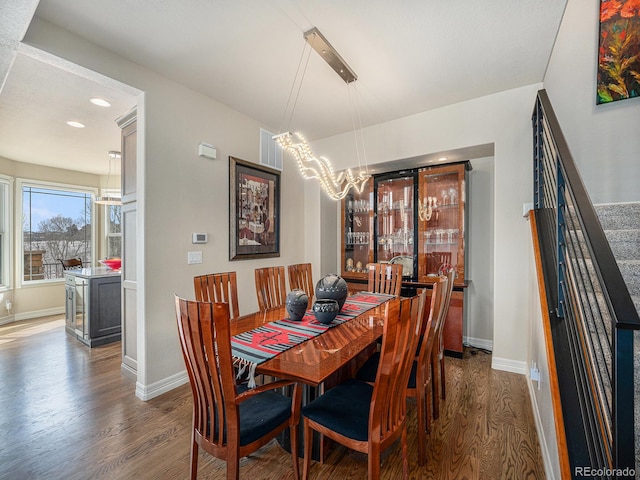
{"x": 194, "y": 257}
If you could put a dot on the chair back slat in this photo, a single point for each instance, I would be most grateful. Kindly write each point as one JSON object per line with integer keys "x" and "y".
{"x": 433, "y": 316}
{"x": 270, "y": 287}
{"x": 300, "y": 276}
{"x": 218, "y": 287}
{"x": 388, "y": 407}
{"x": 385, "y": 278}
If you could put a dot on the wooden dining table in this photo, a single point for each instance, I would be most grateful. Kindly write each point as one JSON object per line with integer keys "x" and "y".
{"x": 320, "y": 358}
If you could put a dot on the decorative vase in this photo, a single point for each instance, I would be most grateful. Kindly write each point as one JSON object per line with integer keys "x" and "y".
{"x": 325, "y": 310}
{"x": 296, "y": 304}
{"x": 334, "y": 287}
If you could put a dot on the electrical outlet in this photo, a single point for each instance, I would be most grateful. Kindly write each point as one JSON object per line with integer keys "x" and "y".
{"x": 8, "y": 305}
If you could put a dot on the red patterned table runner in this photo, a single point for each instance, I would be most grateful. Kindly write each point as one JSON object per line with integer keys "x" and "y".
{"x": 250, "y": 349}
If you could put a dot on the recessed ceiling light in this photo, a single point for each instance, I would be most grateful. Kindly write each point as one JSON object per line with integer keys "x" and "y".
{"x": 442, "y": 159}
{"x": 75, "y": 124}
{"x": 100, "y": 102}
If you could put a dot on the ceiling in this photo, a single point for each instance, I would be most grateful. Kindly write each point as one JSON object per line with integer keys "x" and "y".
{"x": 409, "y": 56}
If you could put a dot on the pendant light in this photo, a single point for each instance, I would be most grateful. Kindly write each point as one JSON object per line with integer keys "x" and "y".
{"x": 108, "y": 199}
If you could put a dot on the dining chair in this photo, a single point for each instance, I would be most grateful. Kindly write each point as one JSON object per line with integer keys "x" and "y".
{"x": 229, "y": 421}
{"x": 385, "y": 278}
{"x": 270, "y": 287}
{"x": 370, "y": 418}
{"x": 71, "y": 263}
{"x": 420, "y": 377}
{"x": 437, "y": 357}
{"x": 300, "y": 276}
{"x": 218, "y": 287}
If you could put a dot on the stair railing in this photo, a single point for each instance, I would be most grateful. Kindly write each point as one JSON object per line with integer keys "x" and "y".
{"x": 594, "y": 319}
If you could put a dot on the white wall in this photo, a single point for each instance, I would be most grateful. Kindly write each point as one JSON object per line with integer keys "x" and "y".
{"x": 478, "y": 330}
{"x": 604, "y": 139}
{"x": 182, "y": 193}
{"x": 503, "y": 119}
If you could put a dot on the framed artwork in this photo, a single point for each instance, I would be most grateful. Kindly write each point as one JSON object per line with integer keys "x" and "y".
{"x": 619, "y": 51}
{"x": 254, "y": 210}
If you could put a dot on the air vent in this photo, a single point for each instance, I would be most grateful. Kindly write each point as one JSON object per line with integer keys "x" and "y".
{"x": 270, "y": 151}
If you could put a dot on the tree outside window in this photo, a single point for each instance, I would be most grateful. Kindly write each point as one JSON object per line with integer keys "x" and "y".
{"x": 56, "y": 225}
{"x": 114, "y": 231}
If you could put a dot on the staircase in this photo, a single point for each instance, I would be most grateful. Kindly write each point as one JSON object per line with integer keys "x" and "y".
{"x": 621, "y": 224}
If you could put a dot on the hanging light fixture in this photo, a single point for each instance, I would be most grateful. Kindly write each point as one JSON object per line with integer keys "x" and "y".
{"x": 311, "y": 166}
{"x": 108, "y": 199}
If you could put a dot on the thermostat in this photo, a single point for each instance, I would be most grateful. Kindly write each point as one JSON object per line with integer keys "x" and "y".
{"x": 199, "y": 238}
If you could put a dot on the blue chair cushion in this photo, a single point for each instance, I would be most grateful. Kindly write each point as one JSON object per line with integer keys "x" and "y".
{"x": 343, "y": 409}
{"x": 368, "y": 371}
{"x": 261, "y": 414}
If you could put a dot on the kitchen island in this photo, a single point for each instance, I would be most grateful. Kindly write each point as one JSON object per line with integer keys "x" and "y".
{"x": 92, "y": 305}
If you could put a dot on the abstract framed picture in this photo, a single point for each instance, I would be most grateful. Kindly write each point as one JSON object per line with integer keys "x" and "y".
{"x": 618, "y": 51}
{"x": 254, "y": 210}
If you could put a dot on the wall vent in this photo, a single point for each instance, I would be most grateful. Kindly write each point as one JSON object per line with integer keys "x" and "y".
{"x": 270, "y": 151}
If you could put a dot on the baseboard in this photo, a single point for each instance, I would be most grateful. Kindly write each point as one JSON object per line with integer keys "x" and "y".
{"x": 478, "y": 343}
{"x": 147, "y": 392}
{"x": 508, "y": 365}
{"x": 128, "y": 372}
{"x": 38, "y": 313}
{"x": 7, "y": 320}
{"x": 546, "y": 457}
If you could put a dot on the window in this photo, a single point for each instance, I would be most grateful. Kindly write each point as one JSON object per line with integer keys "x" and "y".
{"x": 56, "y": 224}
{"x": 5, "y": 234}
{"x": 113, "y": 230}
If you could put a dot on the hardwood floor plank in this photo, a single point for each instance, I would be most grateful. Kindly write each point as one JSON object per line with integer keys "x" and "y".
{"x": 66, "y": 412}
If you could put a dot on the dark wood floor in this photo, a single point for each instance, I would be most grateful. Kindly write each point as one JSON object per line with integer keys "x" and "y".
{"x": 67, "y": 413}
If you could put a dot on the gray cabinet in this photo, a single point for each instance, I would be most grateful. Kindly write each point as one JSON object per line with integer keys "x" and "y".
{"x": 92, "y": 305}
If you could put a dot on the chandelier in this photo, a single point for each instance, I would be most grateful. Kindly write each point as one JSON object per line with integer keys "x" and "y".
{"x": 312, "y": 167}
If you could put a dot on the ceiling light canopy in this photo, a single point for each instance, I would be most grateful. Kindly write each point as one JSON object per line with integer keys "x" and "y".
{"x": 75, "y": 124}
{"x": 320, "y": 168}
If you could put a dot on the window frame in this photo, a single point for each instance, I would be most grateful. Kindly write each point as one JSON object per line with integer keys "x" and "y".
{"x": 6, "y": 234}
{"x": 107, "y": 223}
{"x": 19, "y": 233}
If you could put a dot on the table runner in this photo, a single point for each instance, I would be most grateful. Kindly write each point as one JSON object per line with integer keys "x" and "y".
{"x": 250, "y": 349}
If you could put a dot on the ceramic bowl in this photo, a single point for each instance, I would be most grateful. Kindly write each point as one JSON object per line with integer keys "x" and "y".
{"x": 325, "y": 310}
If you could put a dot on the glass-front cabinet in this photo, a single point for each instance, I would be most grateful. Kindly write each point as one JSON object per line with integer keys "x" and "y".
{"x": 357, "y": 236}
{"x": 441, "y": 221}
{"x": 415, "y": 217}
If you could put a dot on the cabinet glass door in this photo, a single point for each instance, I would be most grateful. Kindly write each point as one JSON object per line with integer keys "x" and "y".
{"x": 395, "y": 222}
{"x": 441, "y": 218}
{"x": 357, "y": 239}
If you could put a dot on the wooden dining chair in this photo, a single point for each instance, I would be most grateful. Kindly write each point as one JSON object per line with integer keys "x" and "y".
{"x": 270, "y": 287}
{"x": 385, "y": 278}
{"x": 218, "y": 287}
{"x": 229, "y": 421}
{"x": 370, "y": 418}
{"x": 437, "y": 357}
{"x": 419, "y": 382}
{"x": 300, "y": 277}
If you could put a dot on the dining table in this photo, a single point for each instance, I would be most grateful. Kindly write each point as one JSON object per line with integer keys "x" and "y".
{"x": 319, "y": 362}
{"x": 317, "y": 359}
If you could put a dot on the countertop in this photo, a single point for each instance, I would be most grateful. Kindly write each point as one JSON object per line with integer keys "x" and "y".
{"x": 93, "y": 272}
